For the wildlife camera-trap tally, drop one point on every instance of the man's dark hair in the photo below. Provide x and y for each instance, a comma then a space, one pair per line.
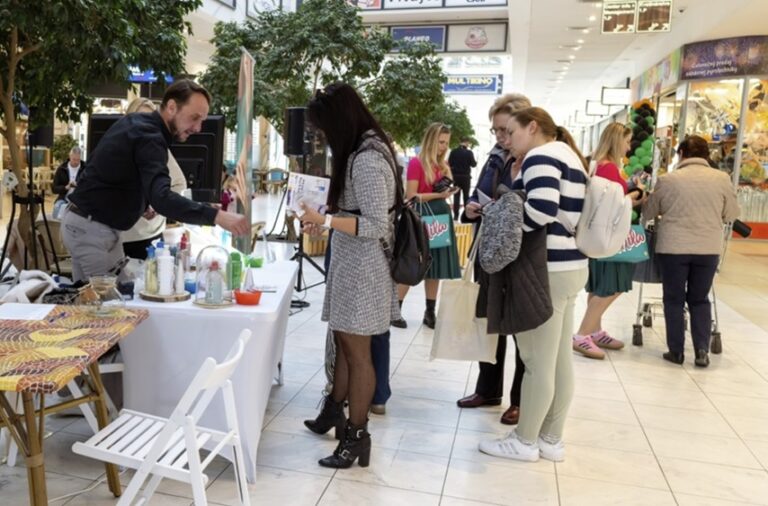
466, 139
181, 91
694, 147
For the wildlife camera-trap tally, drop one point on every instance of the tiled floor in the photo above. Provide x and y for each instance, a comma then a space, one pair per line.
641, 431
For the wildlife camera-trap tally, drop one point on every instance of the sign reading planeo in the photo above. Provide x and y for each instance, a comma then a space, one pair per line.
435, 35
473, 84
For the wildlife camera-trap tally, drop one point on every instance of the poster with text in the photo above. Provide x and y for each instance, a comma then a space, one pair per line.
737, 56
619, 16
654, 16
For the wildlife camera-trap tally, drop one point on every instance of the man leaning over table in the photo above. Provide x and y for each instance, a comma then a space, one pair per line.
127, 178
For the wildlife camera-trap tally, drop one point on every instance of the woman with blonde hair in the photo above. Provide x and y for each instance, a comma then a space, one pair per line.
423, 173
607, 280
151, 225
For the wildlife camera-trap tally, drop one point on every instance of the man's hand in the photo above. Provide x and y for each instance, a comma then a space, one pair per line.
472, 210
235, 223
149, 213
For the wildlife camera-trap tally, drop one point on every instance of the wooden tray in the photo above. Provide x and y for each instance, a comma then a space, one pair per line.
165, 298
202, 303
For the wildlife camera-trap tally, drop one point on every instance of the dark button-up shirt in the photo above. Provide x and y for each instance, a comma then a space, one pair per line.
461, 161
129, 171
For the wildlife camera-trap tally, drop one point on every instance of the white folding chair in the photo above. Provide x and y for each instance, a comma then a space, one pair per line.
170, 447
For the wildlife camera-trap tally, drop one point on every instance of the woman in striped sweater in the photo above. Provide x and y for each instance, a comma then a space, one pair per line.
554, 179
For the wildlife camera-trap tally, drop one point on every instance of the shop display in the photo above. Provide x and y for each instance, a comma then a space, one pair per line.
713, 114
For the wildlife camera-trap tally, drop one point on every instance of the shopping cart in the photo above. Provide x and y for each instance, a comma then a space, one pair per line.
648, 272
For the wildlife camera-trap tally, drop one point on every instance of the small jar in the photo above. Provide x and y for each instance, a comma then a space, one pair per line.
107, 300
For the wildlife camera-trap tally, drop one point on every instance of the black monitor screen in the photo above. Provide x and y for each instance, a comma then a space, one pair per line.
98, 124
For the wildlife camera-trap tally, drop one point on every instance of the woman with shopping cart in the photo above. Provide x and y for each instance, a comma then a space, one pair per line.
690, 205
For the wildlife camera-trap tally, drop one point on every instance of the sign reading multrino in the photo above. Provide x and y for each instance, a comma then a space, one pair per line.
473, 84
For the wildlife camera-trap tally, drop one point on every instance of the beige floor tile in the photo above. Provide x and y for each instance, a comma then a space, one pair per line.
453, 501
598, 389
499, 485
15, 490
668, 397
735, 405
603, 410
697, 500
662, 375
400, 469
366, 494
485, 419
272, 487
438, 369
612, 436
760, 450
717, 481
431, 412
712, 449
686, 420
576, 491
614, 466
411, 437
294, 453
748, 427
422, 388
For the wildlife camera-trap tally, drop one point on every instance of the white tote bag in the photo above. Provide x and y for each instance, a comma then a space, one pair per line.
459, 335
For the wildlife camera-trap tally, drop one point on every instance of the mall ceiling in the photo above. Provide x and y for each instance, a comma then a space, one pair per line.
559, 57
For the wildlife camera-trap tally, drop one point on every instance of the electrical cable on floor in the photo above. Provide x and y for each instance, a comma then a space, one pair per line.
83, 491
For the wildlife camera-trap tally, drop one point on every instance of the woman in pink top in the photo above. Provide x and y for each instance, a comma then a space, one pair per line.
421, 184
607, 280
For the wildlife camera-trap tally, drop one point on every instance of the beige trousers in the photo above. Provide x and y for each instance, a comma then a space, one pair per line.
546, 351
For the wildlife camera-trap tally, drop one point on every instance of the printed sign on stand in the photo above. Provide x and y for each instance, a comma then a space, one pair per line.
473, 84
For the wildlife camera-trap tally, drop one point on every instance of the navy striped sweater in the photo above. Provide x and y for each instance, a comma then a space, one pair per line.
554, 182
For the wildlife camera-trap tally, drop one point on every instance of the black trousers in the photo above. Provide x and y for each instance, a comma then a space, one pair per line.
687, 279
490, 381
463, 183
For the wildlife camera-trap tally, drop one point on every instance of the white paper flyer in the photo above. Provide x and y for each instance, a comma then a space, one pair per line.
311, 190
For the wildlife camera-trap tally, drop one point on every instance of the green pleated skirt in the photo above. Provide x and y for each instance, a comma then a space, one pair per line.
609, 278
445, 261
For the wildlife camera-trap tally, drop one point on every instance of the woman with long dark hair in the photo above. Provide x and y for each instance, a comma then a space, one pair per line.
360, 298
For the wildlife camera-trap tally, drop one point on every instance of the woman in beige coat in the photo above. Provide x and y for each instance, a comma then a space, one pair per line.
691, 204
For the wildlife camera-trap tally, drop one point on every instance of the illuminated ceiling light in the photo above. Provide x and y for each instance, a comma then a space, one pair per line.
580, 41
586, 30
571, 56
593, 18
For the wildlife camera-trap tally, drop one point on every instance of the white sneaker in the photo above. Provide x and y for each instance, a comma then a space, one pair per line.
510, 447
552, 451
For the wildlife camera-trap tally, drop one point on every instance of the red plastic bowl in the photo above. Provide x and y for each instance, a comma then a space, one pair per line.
247, 298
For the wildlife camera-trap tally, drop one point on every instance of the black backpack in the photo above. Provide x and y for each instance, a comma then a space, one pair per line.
409, 256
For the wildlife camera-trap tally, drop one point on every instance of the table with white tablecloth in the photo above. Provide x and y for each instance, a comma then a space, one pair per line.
164, 353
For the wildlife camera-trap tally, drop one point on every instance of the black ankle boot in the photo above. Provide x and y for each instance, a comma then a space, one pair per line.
675, 358
332, 415
356, 443
429, 318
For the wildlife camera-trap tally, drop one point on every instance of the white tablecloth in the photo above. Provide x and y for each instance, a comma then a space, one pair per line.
163, 354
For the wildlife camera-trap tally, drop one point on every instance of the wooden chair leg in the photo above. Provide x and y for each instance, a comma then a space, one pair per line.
113, 477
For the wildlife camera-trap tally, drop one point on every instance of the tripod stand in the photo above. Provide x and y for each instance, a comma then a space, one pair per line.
31, 203
300, 256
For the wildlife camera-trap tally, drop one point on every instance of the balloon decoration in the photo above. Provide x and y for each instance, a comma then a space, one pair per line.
641, 120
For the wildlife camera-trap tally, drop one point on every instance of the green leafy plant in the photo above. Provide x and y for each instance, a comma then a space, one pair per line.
62, 145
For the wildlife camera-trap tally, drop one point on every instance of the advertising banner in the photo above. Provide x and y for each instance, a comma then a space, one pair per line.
619, 16
473, 84
654, 16
413, 4
661, 76
477, 37
737, 56
243, 182
434, 34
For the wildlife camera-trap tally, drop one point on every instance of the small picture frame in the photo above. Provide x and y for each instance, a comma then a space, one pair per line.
229, 3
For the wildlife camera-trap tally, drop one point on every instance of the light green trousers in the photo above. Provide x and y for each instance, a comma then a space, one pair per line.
546, 352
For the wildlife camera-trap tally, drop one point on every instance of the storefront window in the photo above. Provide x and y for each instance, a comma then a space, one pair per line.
667, 129
713, 113
753, 189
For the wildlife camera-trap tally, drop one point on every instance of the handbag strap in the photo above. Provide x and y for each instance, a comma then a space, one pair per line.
470, 269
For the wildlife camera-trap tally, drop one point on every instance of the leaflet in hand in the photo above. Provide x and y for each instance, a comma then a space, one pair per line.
311, 190
483, 198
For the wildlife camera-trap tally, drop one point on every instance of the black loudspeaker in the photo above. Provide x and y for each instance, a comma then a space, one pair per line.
42, 135
296, 141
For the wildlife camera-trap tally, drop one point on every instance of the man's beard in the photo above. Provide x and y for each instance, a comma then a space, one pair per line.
175, 131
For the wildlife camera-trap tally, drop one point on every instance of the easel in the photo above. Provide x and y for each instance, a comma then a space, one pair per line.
31, 203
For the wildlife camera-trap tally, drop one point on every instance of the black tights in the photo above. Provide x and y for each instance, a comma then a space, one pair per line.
354, 378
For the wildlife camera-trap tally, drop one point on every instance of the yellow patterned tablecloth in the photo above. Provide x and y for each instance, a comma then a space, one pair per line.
42, 356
